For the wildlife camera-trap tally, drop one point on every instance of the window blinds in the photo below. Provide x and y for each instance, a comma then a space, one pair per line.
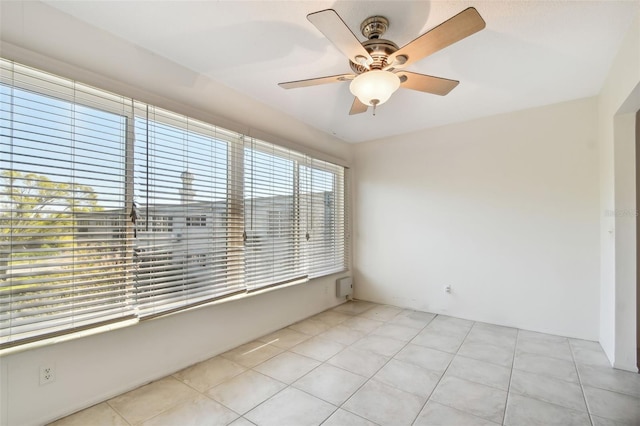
273, 249
112, 209
187, 251
61, 163
323, 191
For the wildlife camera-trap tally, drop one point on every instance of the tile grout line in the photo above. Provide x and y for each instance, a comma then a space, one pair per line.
117, 412
513, 362
555, 378
165, 408
242, 414
472, 381
315, 396
584, 396
400, 350
204, 392
367, 379
444, 372
341, 406
289, 385
381, 367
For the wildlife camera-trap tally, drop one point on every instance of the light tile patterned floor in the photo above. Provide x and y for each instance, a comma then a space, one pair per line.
367, 364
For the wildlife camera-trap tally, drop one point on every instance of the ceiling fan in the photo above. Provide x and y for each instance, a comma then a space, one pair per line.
378, 64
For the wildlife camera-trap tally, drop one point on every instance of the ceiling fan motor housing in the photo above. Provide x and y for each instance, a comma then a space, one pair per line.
380, 50
374, 26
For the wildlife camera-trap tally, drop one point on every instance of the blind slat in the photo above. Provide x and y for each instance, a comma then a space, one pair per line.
112, 209
64, 159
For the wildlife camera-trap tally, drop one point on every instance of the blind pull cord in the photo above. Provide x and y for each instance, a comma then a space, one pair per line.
134, 216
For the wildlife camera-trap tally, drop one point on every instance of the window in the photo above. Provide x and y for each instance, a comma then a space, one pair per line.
181, 170
322, 185
62, 174
111, 209
279, 222
270, 176
197, 220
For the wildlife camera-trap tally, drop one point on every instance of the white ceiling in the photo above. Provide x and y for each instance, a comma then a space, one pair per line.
531, 53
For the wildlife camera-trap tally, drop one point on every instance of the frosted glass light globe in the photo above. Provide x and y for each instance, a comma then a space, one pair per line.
374, 87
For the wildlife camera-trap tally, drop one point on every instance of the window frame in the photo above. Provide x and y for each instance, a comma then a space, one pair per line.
45, 84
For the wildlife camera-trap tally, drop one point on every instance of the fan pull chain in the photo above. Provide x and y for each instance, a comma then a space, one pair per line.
375, 103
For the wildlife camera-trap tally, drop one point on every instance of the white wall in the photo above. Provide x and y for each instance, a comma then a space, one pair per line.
504, 209
625, 242
637, 137
617, 103
94, 368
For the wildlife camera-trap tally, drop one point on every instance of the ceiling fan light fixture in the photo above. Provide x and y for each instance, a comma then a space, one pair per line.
374, 87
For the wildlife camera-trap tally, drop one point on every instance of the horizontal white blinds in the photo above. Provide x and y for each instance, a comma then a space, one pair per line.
295, 216
273, 243
112, 209
61, 162
188, 246
322, 189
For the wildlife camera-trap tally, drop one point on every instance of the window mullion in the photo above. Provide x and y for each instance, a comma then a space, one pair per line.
235, 211
129, 189
297, 235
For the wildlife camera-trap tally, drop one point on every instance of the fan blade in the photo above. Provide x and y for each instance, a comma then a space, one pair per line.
357, 107
316, 81
426, 83
333, 27
453, 30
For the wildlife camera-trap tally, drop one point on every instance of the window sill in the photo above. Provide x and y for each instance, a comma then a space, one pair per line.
67, 337
127, 323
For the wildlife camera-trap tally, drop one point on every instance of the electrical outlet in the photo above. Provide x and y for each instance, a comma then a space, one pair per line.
447, 289
47, 374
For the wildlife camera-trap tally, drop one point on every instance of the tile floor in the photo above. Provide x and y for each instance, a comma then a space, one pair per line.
367, 364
